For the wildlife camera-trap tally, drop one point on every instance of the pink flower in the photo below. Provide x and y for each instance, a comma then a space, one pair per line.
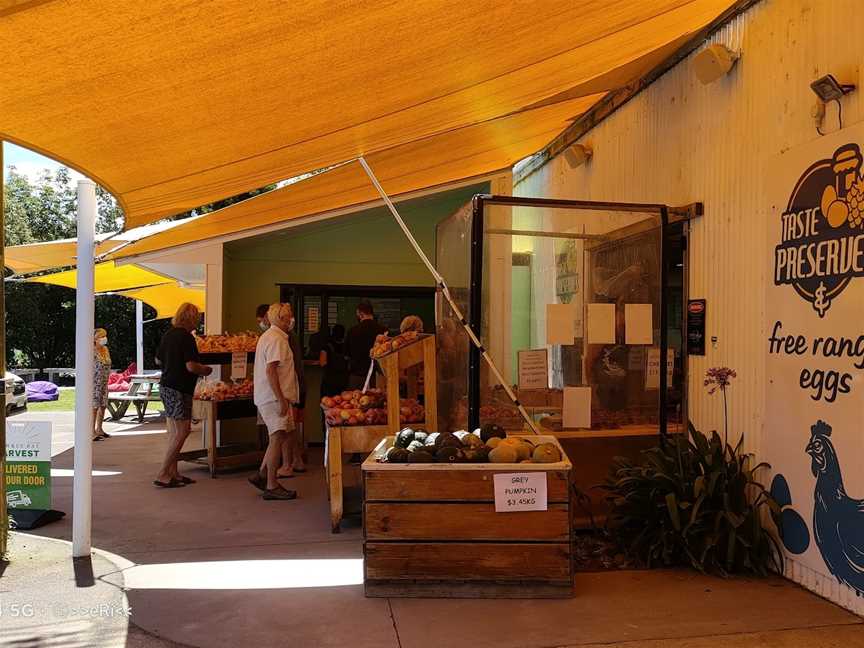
719, 378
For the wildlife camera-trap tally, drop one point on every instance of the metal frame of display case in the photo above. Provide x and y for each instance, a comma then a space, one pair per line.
667, 216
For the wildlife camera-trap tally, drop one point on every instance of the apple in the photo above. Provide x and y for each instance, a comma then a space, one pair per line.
345, 414
327, 402
352, 420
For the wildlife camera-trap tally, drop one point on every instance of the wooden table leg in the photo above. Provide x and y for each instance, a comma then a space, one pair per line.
210, 423
334, 476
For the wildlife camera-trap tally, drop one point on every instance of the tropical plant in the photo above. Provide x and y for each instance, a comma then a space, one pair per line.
694, 500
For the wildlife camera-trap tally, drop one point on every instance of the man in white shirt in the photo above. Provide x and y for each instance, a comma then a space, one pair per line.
276, 391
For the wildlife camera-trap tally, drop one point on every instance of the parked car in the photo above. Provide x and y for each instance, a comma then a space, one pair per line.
16, 393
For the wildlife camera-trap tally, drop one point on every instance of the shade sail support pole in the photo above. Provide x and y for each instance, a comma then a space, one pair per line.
445, 290
139, 335
82, 496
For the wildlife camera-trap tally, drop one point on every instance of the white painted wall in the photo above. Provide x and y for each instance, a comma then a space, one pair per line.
680, 142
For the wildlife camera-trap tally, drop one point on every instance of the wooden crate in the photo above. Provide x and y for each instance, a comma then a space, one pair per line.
431, 530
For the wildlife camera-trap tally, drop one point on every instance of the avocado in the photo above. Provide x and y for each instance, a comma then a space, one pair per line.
449, 454
490, 430
397, 455
421, 456
404, 438
447, 439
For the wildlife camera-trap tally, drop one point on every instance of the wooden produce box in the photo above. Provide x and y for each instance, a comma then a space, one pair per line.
431, 530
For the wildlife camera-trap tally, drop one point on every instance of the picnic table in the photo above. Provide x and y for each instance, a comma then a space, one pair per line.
143, 389
27, 375
59, 371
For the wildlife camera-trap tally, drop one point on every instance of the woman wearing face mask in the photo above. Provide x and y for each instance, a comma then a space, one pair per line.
101, 370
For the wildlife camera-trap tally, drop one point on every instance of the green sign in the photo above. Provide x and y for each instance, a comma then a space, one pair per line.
28, 465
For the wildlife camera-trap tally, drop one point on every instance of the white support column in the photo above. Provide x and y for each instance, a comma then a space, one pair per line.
139, 335
84, 303
213, 324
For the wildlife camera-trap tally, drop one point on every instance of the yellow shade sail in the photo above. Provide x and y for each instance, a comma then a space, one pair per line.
36, 257
109, 277
165, 299
173, 105
469, 152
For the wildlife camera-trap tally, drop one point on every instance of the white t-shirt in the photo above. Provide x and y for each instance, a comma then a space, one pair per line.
273, 346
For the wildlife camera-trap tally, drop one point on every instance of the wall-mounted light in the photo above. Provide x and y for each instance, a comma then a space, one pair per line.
577, 154
828, 88
713, 63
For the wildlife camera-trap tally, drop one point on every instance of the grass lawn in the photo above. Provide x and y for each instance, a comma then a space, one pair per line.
66, 403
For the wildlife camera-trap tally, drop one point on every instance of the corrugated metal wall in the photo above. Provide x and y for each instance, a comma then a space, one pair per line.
680, 142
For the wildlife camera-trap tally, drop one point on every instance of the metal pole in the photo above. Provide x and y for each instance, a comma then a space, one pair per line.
139, 335
84, 302
4, 524
445, 291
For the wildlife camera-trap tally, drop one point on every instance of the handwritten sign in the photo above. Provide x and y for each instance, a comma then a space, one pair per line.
520, 492
534, 369
239, 366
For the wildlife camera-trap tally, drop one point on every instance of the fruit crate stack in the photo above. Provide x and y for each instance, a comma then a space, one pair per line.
431, 528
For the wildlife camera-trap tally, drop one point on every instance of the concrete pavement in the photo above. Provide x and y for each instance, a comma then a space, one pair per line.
214, 565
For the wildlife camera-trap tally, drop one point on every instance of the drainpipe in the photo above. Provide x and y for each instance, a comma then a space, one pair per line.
84, 303
139, 335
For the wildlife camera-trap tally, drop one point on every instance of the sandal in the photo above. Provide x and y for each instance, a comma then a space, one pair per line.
171, 484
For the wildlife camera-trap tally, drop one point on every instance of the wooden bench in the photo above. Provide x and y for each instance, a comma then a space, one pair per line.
141, 392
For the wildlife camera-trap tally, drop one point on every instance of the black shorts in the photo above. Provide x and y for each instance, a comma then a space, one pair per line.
178, 406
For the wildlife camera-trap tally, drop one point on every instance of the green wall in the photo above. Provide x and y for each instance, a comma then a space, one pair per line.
361, 249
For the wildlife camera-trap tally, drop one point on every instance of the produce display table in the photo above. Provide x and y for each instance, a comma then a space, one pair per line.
221, 457
431, 530
346, 440
342, 440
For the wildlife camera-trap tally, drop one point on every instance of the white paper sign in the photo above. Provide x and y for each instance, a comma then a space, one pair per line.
652, 371
601, 323
520, 492
239, 365
638, 324
577, 407
560, 324
534, 369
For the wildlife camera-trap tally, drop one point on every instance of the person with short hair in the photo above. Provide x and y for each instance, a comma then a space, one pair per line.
101, 371
411, 323
276, 391
359, 342
297, 463
178, 357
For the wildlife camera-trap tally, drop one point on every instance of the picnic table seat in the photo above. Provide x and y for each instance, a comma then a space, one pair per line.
143, 389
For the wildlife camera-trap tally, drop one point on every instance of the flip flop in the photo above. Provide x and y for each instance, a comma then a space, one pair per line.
281, 476
185, 480
170, 484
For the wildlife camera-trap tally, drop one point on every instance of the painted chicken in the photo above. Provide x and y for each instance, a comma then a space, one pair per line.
838, 520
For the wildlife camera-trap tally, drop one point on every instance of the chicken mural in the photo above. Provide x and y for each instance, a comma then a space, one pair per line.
838, 520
